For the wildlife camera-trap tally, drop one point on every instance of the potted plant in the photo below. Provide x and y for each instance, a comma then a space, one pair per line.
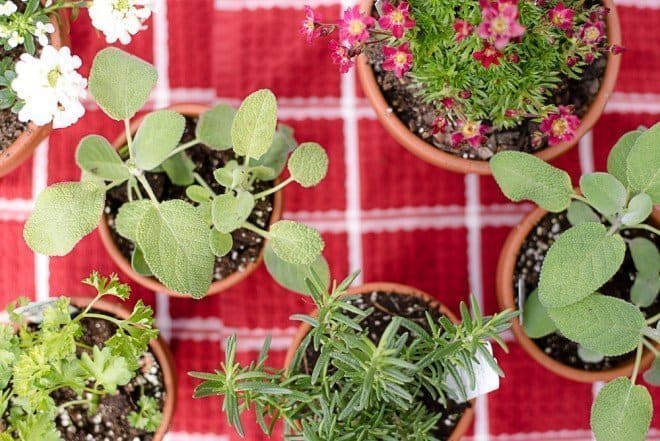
40, 87
190, 201
381, 362
458, 81
586, 273
84, 368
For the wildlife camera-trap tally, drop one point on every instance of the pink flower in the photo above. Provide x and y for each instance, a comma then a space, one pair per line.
354, 26
592, 32
488, 56
562, 17
398, 59
440, 124
500, 23
309, 26
471, 132
616, 49
396, 18
341, 56
448, 102
463, 30
560, 126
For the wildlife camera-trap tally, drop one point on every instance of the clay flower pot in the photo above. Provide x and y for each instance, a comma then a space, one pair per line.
24, 145
160, 350
467, 417
439, 158
506, 299
189, 110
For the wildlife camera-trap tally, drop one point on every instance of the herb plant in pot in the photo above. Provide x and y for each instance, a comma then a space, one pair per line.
190, 198
40, 87
84, 368
586, 275
457, 81
381, 362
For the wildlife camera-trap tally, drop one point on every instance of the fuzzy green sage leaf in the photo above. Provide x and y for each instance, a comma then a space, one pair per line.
643, 169
621, 411
139, 264
645, 256
308, 164
121, 83
296, 243
652, 376
95, 155
229, 212
276, 156
63, 214
645, 290
578, 263
129, 216
535, 319
158, 135
580, 213
639, 209
524, 176
179, 169
221, 243
254, 125
214, 127
601, 323
617, 161
293, 276
604, 192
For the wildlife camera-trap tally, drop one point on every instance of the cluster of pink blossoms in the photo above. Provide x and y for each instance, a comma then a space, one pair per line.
357, 29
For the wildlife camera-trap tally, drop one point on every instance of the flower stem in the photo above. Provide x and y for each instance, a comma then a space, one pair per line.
183, 147
581, 199
106, 318
129, 138
638, 362
73, 403
643, 227
650, 347
653, 319
203, 183
254, 228
274, 189
147, 188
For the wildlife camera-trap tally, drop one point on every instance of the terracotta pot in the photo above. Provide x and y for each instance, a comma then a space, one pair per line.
24, 145
506, 300
466, 420
190, 110
160, 350
442, 159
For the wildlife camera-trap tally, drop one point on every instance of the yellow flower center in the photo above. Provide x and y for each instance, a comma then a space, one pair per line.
53, 76
559, 127
500, 25
123, 5
356, 27
470, 129
401, 58
397, 17
592, 33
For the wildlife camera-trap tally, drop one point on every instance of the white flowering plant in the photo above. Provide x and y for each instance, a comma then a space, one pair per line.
177, 241
43, 85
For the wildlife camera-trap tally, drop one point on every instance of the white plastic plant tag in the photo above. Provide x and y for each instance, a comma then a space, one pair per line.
486, 379
34, 311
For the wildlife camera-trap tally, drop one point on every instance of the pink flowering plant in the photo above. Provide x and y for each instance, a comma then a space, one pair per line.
484, 65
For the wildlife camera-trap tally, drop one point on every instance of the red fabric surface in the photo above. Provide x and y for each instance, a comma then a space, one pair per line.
380, 208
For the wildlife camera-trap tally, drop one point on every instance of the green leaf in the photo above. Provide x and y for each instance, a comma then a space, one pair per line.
129, 216
108, 370
159, 134
221, 243
639, 209
617, 162
121, 83
275, 157
254, 125
535, 319
643, 169
174, 240
578, 263
652, 376
230, 212
296, 243
139, 264
292, 276
199, 194
179, 169
589, 356
524, 176
214, 127
604, 192
308, 164
580, 213
601, 323
63, 214
95, 155
621, 411
645, 255
645, 290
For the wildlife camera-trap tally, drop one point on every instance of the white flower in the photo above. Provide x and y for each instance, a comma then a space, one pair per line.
15, 39
42, 31
120, 19
50, 88
7, 8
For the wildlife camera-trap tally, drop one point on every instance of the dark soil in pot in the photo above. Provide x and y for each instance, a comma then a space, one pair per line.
418, 116
247, 244
387, 305
10, 127
528, 267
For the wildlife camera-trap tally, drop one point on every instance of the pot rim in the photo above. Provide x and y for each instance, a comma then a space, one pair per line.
465, 421
191, 110
505, 298
23, 146
439, 158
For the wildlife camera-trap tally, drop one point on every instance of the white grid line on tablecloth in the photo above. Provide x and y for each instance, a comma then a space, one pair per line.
39, 182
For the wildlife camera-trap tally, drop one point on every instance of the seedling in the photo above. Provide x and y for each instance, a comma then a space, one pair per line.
42, 357
588, 255
178, 241
357, 388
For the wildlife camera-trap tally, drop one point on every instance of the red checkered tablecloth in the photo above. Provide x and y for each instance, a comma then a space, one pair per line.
380, 208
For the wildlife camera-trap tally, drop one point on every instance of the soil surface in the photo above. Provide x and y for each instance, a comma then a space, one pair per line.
418, 116
387, 305
528, 268
247, 244
10, 127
